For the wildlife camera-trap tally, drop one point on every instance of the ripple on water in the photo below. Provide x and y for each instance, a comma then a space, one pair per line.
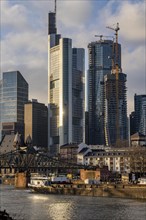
30, 206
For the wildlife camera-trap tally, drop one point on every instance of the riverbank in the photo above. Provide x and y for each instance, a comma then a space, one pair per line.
24, 205
118, 191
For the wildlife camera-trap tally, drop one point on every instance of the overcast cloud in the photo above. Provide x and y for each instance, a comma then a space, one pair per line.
24, 37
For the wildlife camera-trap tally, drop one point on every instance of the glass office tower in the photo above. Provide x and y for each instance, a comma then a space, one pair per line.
0, 109
140, 113
100, 63
78, 95
65, 90
14, 94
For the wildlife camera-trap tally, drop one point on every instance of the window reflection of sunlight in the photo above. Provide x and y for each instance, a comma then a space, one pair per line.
61, 211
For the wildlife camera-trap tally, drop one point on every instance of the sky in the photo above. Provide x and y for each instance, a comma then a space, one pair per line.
24, 37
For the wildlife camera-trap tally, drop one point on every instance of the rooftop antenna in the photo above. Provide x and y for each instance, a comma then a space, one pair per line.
55, 6
55, 12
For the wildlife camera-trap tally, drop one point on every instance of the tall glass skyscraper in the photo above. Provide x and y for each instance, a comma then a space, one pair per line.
78, 95
100, 55
140, 113
0, 109
65, 89
14, 94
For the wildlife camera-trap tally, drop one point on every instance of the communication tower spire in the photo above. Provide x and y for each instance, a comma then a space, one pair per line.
55, 9
52, 20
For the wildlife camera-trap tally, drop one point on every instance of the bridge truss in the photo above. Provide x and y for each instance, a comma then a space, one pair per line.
22, 160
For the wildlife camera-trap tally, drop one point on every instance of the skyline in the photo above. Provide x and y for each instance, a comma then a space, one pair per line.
24, 37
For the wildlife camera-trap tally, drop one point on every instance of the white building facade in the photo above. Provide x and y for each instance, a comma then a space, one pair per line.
116, 160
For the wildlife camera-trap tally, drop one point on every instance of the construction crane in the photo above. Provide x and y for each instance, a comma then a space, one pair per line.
115, 70
116, 29
101, 36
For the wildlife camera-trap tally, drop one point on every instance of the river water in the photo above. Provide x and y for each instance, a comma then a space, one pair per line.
24, 205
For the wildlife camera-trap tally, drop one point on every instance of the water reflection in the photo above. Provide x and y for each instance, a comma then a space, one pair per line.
38, 198
22, 204
61, 211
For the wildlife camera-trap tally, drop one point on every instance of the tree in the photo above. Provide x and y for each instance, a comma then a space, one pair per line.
138, 159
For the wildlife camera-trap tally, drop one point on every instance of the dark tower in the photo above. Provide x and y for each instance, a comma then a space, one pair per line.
52, 22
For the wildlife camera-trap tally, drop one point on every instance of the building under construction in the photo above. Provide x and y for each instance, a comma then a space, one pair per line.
100, 64
107, 103
115, 109
115, 106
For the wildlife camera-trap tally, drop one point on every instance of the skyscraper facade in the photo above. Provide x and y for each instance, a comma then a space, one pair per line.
36, 123
14, 94
132, 123
78, 95
100, 55
0, 109
65, 89
140, 113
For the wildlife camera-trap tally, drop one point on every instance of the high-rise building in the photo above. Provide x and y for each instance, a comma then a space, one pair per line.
78, 95
0, 109
115, 109
36, 123
140, 113
100, 63
86, 127
14, 94
65, 89
132, 123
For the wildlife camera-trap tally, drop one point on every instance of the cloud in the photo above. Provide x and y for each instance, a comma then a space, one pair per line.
24, 37
131, 16
14, 16
74, 14
27, 52
24, 47
134, 66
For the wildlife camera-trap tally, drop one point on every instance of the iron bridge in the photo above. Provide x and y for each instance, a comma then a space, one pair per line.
22, 160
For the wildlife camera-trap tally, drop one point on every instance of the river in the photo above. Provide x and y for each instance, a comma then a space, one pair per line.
24, 205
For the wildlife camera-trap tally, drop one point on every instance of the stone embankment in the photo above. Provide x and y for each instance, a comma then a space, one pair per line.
121, 191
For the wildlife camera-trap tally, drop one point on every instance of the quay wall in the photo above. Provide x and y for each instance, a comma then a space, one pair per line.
8, 180
121, 191
20, 180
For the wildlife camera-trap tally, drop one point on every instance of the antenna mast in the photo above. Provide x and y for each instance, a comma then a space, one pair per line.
55, 6
55, 11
